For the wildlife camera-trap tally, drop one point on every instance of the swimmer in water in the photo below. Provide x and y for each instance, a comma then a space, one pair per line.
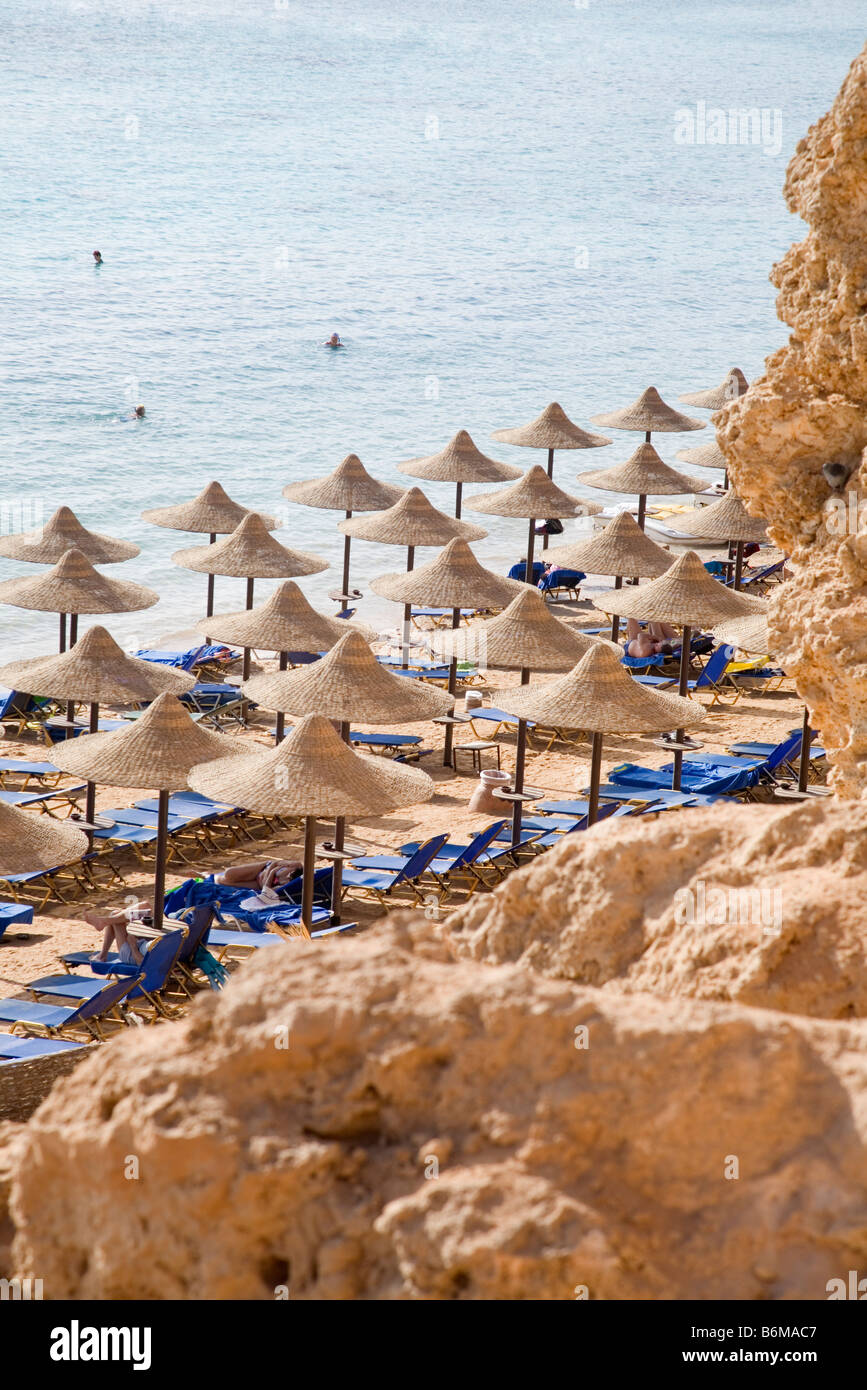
333, 341
97, 256
137, 414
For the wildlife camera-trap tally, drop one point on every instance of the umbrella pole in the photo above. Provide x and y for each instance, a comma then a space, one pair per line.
339, 842
528, 572
62, 646
281, 718
407, 609
459, 490
90, 796
453, 680
642, 509
615, 621
347, 546
210, 612
682, 689
73, 638
162, 854
804, 764
739, 564
520, 758
595, 778
550, 475
309, 869
245, 665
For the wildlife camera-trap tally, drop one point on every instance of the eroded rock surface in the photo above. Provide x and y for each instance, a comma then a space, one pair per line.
809, 410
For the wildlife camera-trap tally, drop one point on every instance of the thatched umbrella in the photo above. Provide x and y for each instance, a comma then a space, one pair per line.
212, 513
312, 773
551, 430
349, 488
29, 842
95, 671
460, 462
533, 496
156, 751
348, 684
456, 580
525, 637
726, 520
734, 384
250, 553
413, 521
687, 596
599, 695
645, 475
622, 548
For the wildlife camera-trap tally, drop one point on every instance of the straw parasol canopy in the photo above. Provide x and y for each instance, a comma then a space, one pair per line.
733, 385
644, 473
285, 622
460, 462
748, 634
249, 553
685, 595
212, 512
525, 636
74, 586
599, 695
725, 520
622, 548
156, 750
349, 684
533, 496
29, 841
708, 455
412, 521
313, 773
63, 531
454, 579
650, 414
551, 430
349, 488
97, 671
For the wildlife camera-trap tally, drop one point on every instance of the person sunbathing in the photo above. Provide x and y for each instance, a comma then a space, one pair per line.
655, 638
264, 873
116, 933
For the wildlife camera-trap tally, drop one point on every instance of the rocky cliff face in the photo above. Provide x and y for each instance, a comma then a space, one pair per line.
808, 411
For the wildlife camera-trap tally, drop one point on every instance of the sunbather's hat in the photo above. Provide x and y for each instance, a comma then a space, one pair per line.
29, 842
211, 513
249, 553
156, 751
534, 495
349, 488
285, 622
74, 586
644, 473
734, 385
454, 579
526, 635
460, 462
313, 773
551, 430
725, 520
708, 455
412, 521
685, 594
748, 634
98, 671
63, 531
648, 412
622, 548
600, 695
349, 685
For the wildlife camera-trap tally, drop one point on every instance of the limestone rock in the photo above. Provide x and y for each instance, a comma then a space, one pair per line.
762, 905
582, 1140
810, 409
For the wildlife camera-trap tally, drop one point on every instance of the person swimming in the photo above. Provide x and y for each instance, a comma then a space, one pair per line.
334, 341
139, 412
97, 256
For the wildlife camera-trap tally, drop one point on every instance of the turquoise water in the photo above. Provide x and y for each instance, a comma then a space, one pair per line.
486, 201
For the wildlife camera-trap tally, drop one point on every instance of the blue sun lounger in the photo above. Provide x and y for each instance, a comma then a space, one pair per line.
30, 772
53, 1019
381, 884
491, 715
15, 914
25, 1049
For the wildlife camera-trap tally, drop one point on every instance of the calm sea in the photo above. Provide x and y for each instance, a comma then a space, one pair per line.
487, 201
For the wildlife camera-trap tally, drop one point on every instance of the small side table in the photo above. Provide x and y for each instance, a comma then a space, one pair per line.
476, 751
